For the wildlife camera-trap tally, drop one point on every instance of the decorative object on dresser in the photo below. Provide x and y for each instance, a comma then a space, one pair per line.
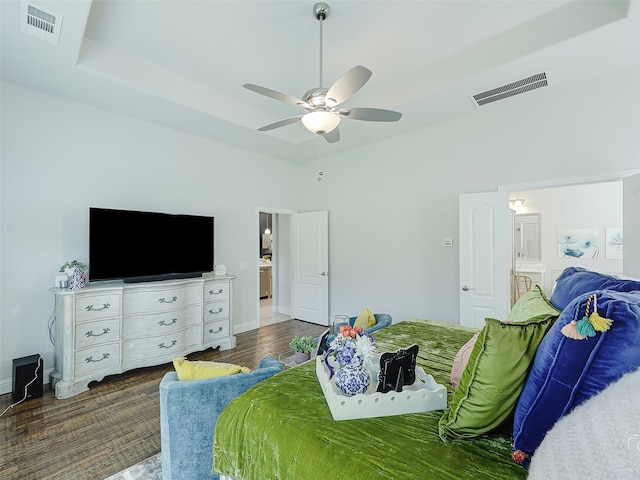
117, 327
76, 275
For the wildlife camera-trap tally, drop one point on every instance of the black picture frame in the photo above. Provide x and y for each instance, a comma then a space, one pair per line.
397, 369
323, 345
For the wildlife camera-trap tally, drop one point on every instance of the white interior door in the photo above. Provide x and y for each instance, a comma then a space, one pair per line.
310, 248
484, 257
631, 226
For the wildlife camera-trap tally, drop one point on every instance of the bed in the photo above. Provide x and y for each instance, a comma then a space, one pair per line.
283, 429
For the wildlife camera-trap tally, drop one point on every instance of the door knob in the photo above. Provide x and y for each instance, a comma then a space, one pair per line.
324, 274
466, 289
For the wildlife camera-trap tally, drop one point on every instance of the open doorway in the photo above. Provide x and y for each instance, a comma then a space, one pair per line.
299, 264
270, 266
594, 210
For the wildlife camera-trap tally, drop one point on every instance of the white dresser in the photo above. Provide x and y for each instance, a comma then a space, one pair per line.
115, 327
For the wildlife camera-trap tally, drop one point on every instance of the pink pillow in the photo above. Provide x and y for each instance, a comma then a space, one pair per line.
461, 360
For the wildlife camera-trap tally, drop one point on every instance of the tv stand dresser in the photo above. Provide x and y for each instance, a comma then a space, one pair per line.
113, 327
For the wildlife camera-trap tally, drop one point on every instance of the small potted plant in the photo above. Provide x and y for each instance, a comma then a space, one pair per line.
302, 346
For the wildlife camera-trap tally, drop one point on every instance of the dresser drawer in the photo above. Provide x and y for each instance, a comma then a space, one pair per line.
174, 344
214, 291
161, 300
96, 333
99, 357
213, 330
93, 307
216, 311
161, 323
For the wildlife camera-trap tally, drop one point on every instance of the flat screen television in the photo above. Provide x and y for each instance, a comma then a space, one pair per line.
146, 246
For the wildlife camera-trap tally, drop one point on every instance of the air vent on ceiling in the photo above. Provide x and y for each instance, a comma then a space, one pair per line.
38, 22
515, 88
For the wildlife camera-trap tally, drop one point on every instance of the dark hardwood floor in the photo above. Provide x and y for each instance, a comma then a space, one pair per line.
116, 423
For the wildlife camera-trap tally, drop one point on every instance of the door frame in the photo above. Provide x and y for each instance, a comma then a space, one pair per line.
571, 181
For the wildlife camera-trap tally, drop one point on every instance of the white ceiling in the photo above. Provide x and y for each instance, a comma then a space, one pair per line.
182, 64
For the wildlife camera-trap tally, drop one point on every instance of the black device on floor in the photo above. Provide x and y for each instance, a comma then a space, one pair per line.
27, 372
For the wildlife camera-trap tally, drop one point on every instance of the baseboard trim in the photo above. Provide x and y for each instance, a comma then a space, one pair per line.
6, 384
243, 327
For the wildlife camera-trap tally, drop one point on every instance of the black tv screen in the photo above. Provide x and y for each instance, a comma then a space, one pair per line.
144, 246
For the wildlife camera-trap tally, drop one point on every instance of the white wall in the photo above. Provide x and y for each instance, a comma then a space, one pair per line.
390, 204
59, 158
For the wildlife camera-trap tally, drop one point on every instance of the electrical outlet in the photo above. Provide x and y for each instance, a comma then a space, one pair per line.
448, 242
243, 265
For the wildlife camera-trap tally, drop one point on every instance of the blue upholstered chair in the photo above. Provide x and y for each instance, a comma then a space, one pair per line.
382, 320
188, 414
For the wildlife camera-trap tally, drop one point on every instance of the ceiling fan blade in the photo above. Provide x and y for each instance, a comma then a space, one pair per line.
333, 136
370, 114
283, 97
347, 85
280, 123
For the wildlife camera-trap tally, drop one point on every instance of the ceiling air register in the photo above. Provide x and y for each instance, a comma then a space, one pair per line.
516, 88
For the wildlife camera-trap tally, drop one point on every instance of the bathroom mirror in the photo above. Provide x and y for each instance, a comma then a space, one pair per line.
527, 237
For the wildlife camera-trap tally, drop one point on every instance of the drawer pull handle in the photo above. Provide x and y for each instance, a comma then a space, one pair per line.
91, 334
162, 345
220, 310
90, 359
213, 292
105, 306
162, 323
173, 299
219, 330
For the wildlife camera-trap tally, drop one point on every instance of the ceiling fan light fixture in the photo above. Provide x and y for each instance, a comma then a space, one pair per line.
320, 122
321, 104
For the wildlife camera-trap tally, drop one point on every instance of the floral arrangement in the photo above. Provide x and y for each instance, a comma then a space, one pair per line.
353, 346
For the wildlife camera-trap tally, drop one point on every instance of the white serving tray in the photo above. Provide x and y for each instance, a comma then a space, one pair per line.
423, 396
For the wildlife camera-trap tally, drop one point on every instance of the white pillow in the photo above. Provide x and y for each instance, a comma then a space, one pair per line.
598, 439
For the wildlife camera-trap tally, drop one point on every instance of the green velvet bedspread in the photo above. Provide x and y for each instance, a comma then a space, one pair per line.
282, 428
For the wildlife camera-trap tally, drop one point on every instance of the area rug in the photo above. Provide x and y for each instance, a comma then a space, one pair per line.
149, 469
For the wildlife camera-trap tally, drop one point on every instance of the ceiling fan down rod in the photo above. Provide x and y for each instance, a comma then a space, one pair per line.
320, 11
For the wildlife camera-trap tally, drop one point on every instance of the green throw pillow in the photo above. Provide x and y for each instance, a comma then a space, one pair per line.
494, 377
532, 304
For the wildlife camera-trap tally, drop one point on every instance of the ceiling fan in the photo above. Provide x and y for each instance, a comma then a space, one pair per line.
322, 105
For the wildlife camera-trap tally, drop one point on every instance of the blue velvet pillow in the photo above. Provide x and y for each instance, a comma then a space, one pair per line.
576, 281
566, 372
